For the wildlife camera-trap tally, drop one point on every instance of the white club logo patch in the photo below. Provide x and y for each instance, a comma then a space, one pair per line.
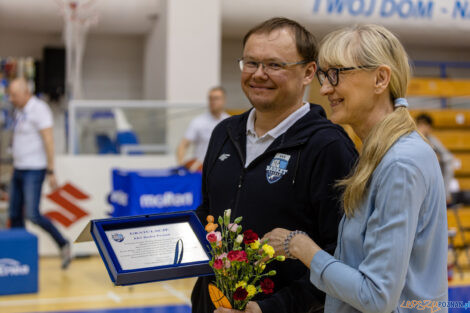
277, 168
224, 157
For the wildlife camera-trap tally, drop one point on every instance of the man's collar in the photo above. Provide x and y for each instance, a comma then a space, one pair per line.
280, 128
250, 127
27, 106
250, 124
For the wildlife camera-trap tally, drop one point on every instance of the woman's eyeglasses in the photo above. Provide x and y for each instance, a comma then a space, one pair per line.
333, 73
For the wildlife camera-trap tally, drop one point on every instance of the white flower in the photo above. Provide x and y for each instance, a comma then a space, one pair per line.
228, 212
239, 239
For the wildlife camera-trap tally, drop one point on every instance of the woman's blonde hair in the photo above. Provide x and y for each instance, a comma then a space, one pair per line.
371, 46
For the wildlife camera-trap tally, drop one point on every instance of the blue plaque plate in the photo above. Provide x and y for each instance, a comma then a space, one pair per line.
148, 248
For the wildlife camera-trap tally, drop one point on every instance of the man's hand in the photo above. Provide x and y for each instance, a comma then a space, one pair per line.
276, 239
48, 139
251, 307
52, 182
181, 150
194, 166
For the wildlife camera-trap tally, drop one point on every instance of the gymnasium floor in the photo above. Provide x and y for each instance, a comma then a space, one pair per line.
86, 288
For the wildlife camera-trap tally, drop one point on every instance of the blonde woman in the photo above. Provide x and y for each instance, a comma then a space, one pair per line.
392, 240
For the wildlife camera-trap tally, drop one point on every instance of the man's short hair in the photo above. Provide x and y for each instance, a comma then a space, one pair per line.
220, 88
425, 119
305, 42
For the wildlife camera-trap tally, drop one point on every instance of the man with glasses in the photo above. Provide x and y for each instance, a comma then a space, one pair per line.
277, 164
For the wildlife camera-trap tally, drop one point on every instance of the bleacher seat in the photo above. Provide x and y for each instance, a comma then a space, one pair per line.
127, 138
105, 145
454, 140
446, 118
464, 183
463, 213
463, 164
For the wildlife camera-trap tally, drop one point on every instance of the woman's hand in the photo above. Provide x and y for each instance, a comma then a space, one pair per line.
251, 307
300, 246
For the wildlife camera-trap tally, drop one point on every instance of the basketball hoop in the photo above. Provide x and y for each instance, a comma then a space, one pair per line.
79, 16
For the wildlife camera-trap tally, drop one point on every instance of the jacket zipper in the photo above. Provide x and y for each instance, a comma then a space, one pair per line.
296, 166
242, 176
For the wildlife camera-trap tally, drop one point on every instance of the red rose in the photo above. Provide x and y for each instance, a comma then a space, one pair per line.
218, 264
232, 255
240, 294
249, 236
267, 285
211, 237
242, 256
239, 256
214, 237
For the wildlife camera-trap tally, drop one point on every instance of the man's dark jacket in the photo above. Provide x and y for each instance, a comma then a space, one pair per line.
269, 194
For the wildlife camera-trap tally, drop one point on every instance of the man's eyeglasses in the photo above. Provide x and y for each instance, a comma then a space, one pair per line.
333, 73
250, 66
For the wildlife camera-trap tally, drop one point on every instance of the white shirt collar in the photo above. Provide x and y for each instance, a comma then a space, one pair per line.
28, 105
282, 127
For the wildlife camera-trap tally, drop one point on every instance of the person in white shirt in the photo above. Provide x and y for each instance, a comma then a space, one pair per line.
33, 161
424, 122
200, 130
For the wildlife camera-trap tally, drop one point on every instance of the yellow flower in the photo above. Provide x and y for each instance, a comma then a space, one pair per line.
263, 266
251, 290
254, 245
240, 284
269, 250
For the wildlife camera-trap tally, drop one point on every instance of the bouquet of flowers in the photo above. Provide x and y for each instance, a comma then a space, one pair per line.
238, 260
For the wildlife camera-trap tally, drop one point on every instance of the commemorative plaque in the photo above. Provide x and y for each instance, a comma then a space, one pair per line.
140, 249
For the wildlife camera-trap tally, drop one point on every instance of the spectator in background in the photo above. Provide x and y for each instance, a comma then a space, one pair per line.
33, 161
424, 123
200, 130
